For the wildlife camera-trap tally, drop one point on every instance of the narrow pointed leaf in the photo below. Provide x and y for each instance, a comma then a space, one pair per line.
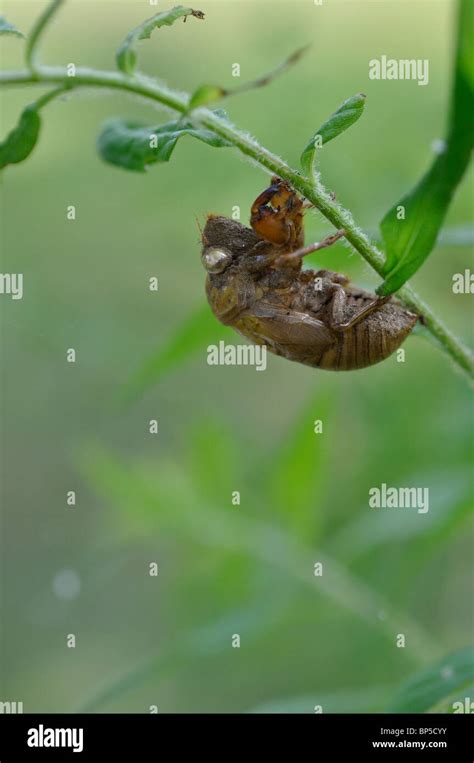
410, 229
196, 332
126, 56
345, 116
430, 687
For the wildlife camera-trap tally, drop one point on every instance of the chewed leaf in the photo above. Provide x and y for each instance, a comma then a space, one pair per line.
411, 227
126, 56
7, 28
439, 682
21, 141
133, 146
345, 116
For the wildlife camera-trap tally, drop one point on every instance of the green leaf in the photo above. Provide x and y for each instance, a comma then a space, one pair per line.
205, 94
450, 507
297, 469
133, 146
345, 116
126, 56
7, 28
430, 687
194, 334
22, 139
410, 229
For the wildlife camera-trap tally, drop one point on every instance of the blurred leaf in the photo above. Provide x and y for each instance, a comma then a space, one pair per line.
295, 480
171, 500
7, 28
214, 462
132, 146
460, 695
206, 641
450, 505
409, 241
198, 331
126, 56
341, 701
429, 687
345, 116
207, 93
21, 141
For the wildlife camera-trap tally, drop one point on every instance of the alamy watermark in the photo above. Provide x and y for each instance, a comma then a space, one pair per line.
11, 708
400, 69
385, 497
463, 283
51, 737
464, 706
12, 283
223, 354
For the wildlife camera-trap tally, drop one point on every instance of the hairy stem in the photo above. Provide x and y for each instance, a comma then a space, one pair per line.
310, 189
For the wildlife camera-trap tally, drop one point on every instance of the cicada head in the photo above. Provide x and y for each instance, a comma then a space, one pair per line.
224, 241
277, 215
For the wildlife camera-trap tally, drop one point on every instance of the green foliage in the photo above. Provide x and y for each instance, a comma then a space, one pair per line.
451, 509
436, 685
126, 56
10, 29
298, 470
410, 233
191, 502
127, 144
21, 141
345, 116
223, 568
194, 334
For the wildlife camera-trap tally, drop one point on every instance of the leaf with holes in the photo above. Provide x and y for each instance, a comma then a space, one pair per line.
126, 56
132, 146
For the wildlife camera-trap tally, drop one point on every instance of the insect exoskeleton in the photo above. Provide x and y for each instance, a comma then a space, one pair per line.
257, 285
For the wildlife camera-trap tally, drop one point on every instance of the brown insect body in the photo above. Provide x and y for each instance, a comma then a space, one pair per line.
314, 317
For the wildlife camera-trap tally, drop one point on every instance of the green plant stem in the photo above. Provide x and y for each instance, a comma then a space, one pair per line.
51, 95
36, 32
310, 189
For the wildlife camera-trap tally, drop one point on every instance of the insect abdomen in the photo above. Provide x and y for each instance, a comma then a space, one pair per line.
368, 342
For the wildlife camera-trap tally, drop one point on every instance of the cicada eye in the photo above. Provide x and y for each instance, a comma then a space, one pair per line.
215, 260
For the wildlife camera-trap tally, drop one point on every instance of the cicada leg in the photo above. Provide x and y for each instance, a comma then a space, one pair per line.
337, 310
316, 246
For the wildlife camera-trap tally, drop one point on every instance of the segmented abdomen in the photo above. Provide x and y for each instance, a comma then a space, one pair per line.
368, 342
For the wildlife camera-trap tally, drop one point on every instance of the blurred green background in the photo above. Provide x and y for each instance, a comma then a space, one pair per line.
223, 569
